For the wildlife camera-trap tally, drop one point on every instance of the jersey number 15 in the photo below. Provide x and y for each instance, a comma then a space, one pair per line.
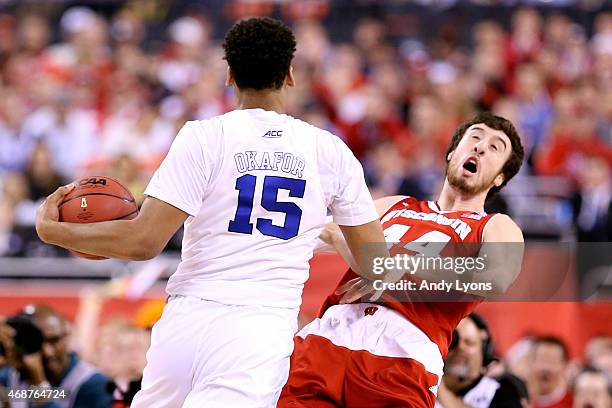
271, 184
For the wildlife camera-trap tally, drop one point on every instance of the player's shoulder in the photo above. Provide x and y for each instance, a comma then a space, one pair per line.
386, 204
319, 133
408, 202
501, 220
203, 125
331, 145
205, 130
501, 228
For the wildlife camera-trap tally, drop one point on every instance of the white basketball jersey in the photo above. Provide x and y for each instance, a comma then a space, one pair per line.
257, 186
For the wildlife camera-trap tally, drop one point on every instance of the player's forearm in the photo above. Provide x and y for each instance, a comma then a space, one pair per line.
366, 243
333, 237
121, 239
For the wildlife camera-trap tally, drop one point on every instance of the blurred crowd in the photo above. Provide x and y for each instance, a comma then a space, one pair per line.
86, 93
97, 364
537, 371
109, 355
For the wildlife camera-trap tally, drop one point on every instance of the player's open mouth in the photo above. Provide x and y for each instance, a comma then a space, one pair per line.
471, 165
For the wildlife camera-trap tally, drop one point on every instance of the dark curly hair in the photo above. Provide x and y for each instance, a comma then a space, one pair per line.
514, 162
259, 51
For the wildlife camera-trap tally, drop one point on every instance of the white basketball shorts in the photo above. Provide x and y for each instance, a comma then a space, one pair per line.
207, 354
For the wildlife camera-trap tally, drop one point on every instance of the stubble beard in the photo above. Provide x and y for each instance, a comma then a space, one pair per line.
461, 184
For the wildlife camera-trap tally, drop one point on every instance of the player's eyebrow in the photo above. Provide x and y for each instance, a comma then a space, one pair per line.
496, 136
503, 141
478, 128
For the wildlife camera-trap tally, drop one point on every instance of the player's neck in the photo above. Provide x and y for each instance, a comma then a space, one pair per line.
265, 99
450, 199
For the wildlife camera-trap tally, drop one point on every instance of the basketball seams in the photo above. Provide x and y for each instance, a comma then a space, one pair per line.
129, 193
114, 180
124, 200
121, 201
103, 194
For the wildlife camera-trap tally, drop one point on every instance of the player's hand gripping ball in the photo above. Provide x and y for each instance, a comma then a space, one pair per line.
95, 199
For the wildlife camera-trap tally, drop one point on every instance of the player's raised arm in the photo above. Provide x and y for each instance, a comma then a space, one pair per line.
359, 241
142, 238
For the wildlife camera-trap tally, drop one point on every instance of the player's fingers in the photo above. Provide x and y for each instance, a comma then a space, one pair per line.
355, 295
352, 286
60, 193
350, 295
393, 275
356, 292
390, 277
376, 295
347, 286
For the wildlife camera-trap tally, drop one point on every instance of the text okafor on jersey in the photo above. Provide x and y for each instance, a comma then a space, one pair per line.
453, 233
257, 186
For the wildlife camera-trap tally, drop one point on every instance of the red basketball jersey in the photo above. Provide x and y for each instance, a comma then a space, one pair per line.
422, 224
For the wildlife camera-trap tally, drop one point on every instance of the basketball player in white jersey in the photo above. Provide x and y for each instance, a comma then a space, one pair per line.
252, 187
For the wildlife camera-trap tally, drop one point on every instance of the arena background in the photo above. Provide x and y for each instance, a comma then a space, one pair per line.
101, 87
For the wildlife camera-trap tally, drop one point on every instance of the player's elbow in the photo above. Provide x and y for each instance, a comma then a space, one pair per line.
497, 289
501, 284
142, 255
144, 248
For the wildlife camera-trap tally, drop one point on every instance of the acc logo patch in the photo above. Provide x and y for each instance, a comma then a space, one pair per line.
273, 133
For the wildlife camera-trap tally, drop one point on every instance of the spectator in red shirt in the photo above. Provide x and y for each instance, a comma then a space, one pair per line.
548, 385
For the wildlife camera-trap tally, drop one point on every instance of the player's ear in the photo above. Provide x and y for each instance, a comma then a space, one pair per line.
448, 156
229, 78
499, 180
290, 77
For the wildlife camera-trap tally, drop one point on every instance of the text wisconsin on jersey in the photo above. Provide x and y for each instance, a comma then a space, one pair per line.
461, 227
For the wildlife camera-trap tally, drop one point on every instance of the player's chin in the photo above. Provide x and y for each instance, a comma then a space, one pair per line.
465, 184
473, 180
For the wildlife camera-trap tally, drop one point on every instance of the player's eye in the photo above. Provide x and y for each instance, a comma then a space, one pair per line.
475, 137
494, 147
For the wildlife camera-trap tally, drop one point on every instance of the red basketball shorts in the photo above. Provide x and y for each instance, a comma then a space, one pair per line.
362, 356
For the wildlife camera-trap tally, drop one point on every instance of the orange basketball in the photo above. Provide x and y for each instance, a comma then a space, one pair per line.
95, 199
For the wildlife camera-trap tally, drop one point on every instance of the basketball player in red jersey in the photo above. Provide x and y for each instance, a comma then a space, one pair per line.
390, 353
